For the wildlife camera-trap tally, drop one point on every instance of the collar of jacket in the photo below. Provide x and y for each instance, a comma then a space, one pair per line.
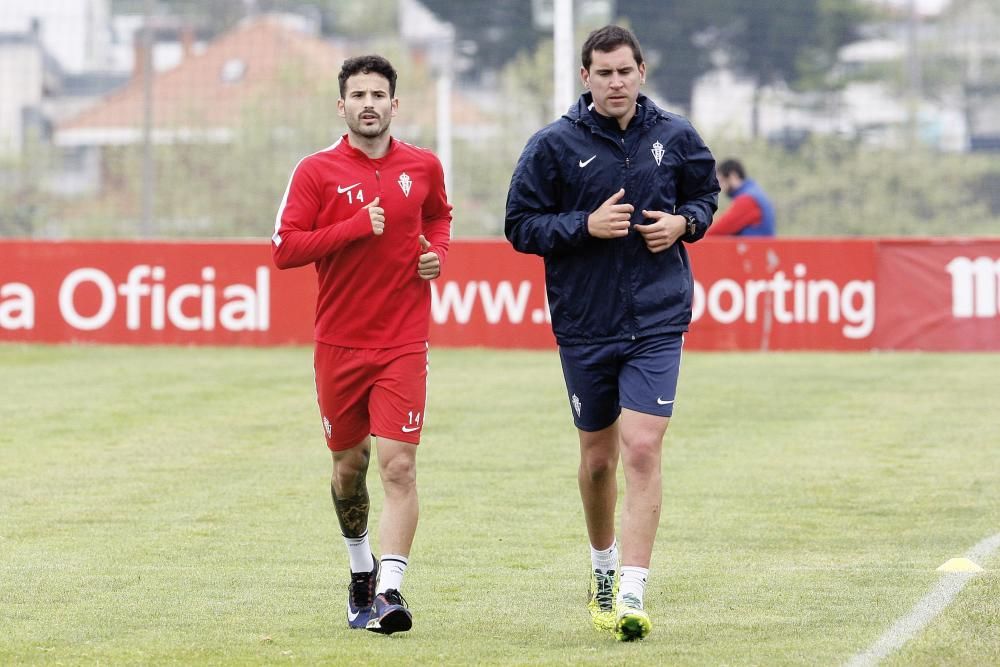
580, 112
345, 147
747, 185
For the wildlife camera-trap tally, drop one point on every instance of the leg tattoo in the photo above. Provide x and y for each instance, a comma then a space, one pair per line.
352, 509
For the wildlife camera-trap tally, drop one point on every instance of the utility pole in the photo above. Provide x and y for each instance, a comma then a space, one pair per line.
563, 57
445, 77
913, 71
146, 224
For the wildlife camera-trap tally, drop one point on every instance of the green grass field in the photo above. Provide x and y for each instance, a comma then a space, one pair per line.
171, 505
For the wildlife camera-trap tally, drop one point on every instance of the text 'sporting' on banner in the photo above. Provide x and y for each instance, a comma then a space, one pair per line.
764, 294
783, 295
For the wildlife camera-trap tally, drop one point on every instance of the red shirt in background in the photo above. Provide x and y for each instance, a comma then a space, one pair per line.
743, 212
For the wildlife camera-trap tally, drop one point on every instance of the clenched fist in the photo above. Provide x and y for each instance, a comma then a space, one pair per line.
663, 231
611, 219
429, 264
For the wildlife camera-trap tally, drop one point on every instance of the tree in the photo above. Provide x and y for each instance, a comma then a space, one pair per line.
768, 41
772, 41
500, 29
677, 41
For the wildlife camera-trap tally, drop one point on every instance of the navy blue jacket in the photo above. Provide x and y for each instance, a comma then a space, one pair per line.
602, 290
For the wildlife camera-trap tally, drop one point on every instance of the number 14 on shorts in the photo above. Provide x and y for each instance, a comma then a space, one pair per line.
414, 422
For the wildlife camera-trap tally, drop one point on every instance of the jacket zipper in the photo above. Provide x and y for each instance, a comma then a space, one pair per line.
628, 292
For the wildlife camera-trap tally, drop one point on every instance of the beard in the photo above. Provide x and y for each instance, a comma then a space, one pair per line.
367, 130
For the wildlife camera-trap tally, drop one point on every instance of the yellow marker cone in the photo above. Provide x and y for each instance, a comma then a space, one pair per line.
960, 565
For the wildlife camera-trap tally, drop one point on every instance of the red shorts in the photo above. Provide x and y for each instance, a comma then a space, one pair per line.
380, 392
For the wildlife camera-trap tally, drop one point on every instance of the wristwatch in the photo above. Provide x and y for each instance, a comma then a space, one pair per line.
692, 225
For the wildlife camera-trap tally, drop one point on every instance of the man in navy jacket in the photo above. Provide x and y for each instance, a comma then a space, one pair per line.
609, 195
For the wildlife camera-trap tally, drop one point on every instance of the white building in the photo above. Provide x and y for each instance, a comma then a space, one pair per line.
23, 74
76, 32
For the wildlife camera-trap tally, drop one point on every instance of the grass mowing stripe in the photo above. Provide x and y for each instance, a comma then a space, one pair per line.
926, 610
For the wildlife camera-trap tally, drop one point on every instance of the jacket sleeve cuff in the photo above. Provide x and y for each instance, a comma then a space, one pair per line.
584, 228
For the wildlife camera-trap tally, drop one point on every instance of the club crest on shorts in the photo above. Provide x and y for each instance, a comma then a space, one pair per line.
405, 183
575, 400
328, 427
658, 152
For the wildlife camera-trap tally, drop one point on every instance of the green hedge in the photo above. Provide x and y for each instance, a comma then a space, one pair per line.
835, 188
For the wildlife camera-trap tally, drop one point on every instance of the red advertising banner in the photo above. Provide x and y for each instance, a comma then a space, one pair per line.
491, 296
761, 294
939, 295
150, 293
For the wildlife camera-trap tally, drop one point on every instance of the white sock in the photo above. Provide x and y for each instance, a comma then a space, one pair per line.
390, 574
632, 582
359, 551
605, 560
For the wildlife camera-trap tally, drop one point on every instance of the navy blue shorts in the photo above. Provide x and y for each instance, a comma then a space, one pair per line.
602, 379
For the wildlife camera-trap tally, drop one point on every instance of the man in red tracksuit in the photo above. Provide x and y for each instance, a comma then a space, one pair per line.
371, 213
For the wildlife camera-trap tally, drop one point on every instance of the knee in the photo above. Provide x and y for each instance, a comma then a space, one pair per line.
599, 465
642, 454
346, 479
349, 471
399, 473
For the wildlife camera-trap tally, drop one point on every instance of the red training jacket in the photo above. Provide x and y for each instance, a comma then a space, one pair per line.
370, 295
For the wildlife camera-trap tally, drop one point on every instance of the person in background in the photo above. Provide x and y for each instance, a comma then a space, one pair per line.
751, 213
371, 214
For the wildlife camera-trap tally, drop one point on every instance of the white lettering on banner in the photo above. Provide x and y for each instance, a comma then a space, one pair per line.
789, 301
67, 294
17, 307
246, 307
453, 301
503, 300
975, 287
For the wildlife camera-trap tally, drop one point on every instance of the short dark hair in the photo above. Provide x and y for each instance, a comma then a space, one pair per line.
732, 166
371, 64
607, 39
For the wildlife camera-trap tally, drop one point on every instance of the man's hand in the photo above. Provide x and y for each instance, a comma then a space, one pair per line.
429, 265
663, 231
377, 216
610, 220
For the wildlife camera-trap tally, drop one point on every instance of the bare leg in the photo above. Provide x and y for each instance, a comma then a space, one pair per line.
398, 469
641, 449
349, 488
598, 483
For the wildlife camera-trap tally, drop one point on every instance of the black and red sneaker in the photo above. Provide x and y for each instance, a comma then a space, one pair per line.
389, 614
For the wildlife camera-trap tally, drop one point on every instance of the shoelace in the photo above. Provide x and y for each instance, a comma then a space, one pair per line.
362, 589
392, 596
605, 589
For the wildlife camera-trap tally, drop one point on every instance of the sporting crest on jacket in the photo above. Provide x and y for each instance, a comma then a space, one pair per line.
405, 183
657, 152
